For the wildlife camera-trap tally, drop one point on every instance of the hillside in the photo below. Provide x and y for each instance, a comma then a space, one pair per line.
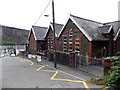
11, 35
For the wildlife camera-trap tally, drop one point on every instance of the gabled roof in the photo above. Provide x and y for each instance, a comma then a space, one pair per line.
105, 29
39, 32
58, 28
88, 27
116, 26
116, 36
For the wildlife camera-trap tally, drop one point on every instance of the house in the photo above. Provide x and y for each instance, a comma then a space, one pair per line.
116, 36
86, 37
50, 35
37, 43
20, 48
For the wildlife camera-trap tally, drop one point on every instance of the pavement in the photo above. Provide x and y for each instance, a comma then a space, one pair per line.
25, 73
92, 69
86, 72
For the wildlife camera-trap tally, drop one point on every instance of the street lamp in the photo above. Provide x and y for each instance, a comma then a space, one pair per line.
54, 43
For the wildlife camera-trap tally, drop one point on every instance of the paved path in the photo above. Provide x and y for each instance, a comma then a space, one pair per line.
24, 73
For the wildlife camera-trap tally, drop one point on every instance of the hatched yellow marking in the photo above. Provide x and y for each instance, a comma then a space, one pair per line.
55, 73
105, 88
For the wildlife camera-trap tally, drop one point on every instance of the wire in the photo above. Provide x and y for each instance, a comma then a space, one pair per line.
42, 12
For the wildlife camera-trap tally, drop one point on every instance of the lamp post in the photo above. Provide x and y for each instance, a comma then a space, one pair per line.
54, 43
53, 14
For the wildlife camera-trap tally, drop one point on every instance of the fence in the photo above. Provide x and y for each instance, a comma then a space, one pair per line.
85, 60
90, 65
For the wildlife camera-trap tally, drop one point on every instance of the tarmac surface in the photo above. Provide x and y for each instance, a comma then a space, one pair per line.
24, 73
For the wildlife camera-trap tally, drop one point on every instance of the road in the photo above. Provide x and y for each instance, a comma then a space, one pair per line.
23, 73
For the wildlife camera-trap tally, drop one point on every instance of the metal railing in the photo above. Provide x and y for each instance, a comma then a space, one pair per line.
86, 60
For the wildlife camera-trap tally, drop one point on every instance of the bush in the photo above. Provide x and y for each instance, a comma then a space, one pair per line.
97, 81
113, 78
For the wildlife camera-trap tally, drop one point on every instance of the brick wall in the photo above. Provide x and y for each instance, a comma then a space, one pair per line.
50, 39
73, 40
32, 44
97, 49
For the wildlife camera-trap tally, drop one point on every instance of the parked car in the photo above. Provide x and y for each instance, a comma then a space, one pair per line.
12, 55
2, 55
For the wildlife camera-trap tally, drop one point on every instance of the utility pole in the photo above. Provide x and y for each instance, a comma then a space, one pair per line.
53, 13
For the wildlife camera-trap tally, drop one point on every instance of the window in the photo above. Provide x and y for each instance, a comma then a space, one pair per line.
70, 34
77, 43
60, 39
70, 42
65, 43
65, 50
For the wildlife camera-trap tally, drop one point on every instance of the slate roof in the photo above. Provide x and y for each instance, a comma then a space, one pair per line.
116, 26
89, 28
116, 36
58, 28
105, 29
39, 32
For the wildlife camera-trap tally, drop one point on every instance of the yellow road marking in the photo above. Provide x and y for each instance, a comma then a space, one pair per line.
85, 84
105, 88
40, 68
66, 73
67, 80
55, 74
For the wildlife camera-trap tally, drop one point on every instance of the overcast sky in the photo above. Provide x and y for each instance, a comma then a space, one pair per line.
24, 13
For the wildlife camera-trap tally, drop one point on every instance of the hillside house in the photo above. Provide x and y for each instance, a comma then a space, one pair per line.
37, 43
50, 35
86, 37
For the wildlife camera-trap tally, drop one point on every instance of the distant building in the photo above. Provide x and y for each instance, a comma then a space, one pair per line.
13, 40
20, 48
50, 35
36, 42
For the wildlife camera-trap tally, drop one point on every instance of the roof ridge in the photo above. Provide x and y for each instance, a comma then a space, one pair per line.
112, 22
39, 26
105, 25
57, 23
86, 19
